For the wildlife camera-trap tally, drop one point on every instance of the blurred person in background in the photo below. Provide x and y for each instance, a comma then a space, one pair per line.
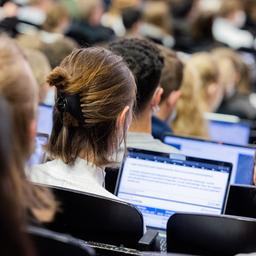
189, 120
227, 26
157, 23
211, 91
132, 20
86, 29
41, 68
238, 99
113, 17
13, 239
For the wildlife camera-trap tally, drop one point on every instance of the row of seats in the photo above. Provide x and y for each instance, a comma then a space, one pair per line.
195, 234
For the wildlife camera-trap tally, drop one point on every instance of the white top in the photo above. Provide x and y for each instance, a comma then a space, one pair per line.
227, 33
146, 141
82, 176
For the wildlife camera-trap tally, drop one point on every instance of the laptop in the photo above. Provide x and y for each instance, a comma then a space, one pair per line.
228, 129
44, 122
242, 157
160, 184
39, 155
241, 201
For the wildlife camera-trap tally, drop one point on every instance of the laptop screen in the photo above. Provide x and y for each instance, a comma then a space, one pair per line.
160, 184
39, 154
228, 132
242, 157
44, 122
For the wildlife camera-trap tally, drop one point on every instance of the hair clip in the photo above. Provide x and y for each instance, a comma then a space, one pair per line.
61, 103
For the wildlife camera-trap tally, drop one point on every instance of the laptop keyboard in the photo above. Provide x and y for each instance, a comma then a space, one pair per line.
161, 243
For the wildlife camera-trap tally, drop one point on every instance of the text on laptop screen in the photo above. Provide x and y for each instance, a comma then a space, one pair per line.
44, 123
159, 186
235, 133
241, 157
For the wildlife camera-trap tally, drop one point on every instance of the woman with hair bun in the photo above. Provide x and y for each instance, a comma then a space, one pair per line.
93, 110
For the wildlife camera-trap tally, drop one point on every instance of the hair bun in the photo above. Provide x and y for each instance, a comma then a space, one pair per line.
58, 78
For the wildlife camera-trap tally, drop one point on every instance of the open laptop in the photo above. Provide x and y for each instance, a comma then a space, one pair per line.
39, 155
242, 157
229, 129
44, 122
160, 184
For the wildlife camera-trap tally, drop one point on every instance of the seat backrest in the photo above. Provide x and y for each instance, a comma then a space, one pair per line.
51, 243
241, 201
200, 234
95, 218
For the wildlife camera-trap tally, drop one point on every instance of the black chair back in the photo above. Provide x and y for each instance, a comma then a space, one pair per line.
94, 218
51, 243
210, 234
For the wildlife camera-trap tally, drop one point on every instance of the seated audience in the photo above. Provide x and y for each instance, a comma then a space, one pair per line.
144, 60
18, 87
170, 81
93, 110
12, 236
189, 120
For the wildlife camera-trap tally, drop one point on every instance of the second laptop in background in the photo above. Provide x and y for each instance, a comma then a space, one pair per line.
242, 157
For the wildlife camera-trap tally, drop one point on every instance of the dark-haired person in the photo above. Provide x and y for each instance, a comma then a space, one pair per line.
144, 60
171, 79
95, 96
132, 18
13, 240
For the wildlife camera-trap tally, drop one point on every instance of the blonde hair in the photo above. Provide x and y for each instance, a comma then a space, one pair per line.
228, 58
157, 13
21, 93
190, 120
208, 72
41, 68
95, 86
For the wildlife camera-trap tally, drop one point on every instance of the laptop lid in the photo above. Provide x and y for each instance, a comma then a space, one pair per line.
160, 184
241, 201
44, 122
242, 157
39, 155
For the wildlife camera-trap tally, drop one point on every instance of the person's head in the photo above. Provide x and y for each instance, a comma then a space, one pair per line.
211, 90
57, 19
93, 109
144, 60
233, 10
157, 13
189, 119
230, 67
41, 68
18, 87
131, 19
58, 50
90, 11
171, 79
